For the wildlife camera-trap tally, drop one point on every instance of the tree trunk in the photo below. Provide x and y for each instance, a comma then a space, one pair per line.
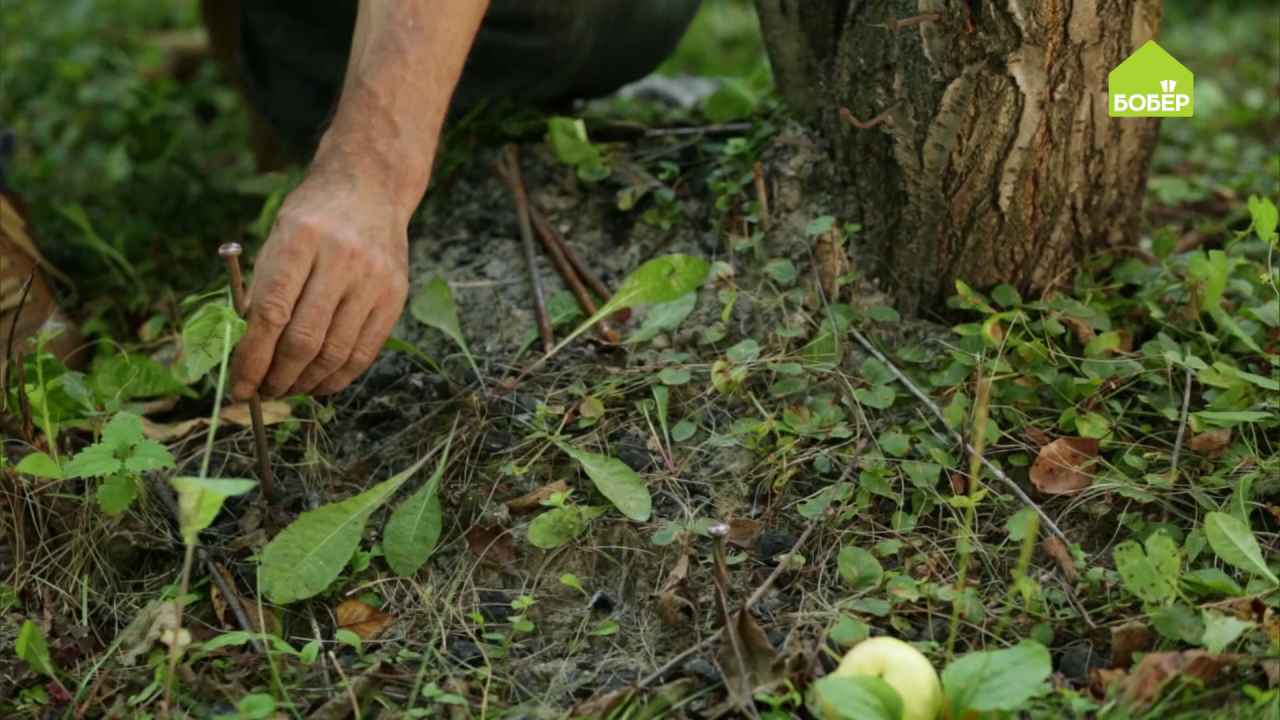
985, 152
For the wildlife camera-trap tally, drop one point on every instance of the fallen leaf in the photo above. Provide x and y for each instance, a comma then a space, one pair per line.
1155, 670
1037, 437
959, 483
1083, 332
1065, 465
168, 432
603, 705
361, 618
1061, 554
1212, 443
673, 606
749, 660
492, 544
744, 532
1128, 639
273, 412
832, 263
531, 501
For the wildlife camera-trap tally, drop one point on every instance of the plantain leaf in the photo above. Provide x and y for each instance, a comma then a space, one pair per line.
625, 489
308, 555
414, 528
1233, 541
32, 649
200, 499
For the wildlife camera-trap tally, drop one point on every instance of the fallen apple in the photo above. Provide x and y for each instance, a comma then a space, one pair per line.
905, 670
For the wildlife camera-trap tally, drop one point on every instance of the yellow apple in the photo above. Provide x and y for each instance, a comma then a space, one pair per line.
905, 670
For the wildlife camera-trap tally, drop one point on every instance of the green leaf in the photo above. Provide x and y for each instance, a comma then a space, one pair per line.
202, 340
1230, 418
860, 697
733, 100
744, 352
39, 464
126, 376
1000, 680
200, 499
1210, 273
433, 306
97, 460
558, 526
1212, 581
660, 280
879, 397
1221, 630
859, 568
663, 317
568, 139
147, 455
1233, 541
32, 649
895, 443
820, 225
116, 493
414, 528
307, 556
1178, 622
625, 489
1264, 217
1147, 574
782, 270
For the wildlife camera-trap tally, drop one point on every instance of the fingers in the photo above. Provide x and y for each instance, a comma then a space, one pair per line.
339, 343
304, 337
374, 333
279, 282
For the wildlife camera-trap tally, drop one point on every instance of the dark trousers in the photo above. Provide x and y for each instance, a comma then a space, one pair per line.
290, 55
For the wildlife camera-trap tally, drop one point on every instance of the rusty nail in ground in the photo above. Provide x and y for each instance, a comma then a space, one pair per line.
231, 253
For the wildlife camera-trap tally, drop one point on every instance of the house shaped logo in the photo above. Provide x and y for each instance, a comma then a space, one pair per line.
1151, 83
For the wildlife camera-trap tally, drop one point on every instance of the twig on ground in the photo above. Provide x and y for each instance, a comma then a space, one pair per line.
957, 437
508, 170
1182, 428
555, 248
347, 704
762, 194
231, 253
592, 280
710, 640
233, 598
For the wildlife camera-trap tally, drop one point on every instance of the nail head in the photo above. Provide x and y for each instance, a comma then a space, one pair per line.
719, 530
231, 249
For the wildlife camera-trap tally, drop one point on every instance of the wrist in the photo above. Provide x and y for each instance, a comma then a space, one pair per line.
395, 173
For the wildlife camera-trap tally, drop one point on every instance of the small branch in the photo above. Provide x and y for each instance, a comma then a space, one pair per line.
509, 172
957, 437
909, 22
1182, 428
710, 640
555, 248
762, 194
876, 121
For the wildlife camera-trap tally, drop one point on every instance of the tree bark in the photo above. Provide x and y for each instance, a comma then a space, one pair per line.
985, 152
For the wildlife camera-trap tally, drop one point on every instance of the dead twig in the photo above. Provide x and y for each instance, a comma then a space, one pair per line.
231, 253
1182, 428
508, 170
556, 248
877, 121
957, 437
711, 639
762, 194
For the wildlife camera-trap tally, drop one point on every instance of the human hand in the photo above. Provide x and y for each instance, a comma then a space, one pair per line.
328, 286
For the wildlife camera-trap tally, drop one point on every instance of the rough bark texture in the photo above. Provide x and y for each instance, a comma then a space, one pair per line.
994, 159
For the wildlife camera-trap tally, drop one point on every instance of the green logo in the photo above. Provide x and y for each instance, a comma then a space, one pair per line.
1151, 83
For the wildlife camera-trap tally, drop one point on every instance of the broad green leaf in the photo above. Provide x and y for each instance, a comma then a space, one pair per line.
433, 306
744, 352
733, 100
116, 493
203, 336
147, 455
895, 443
1233, 541
126, 376
307, 556
782, 270
97, 460
1178, 622
663, 317
879, 397
1146, 573
1221, 630
414, 528
1230, 418
1210, 273
39, 464
1000, 680
1212, 581
1264, 217
200, 499
859, 568
860, 697
625, 489
660, 280
558, 526
819, 225
569, 141
32, 649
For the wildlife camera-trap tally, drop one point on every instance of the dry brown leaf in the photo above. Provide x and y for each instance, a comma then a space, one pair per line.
168, 432
1128, 639
749, 660
1155, 670
273, 412
1212, 443
1065, 465
602, 705
1055, 548
533, 500
1082, 331
1037, 437
673, 607
492, 544
744, 532
361, 618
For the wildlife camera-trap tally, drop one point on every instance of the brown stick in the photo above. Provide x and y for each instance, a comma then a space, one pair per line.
508, 169
231, 253
762, 194
556, 248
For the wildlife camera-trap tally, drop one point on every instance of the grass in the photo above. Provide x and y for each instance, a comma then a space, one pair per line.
743, 405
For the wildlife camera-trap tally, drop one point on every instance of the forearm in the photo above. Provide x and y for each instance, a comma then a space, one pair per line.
406, 57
